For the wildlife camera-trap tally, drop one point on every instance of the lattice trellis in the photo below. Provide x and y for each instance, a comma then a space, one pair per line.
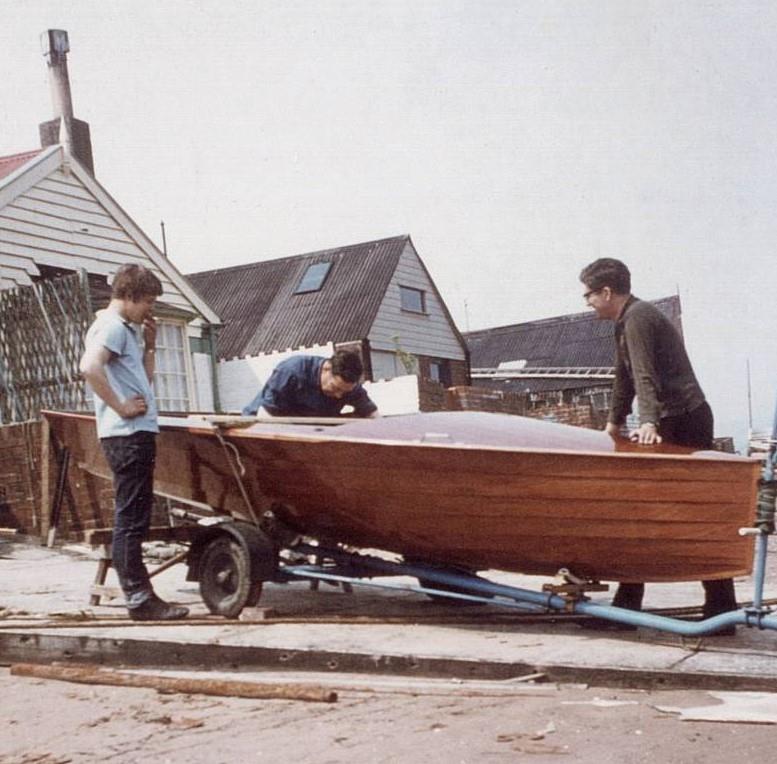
42, 331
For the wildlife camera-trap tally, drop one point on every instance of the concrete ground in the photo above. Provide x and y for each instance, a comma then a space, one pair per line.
417, 680
370, 629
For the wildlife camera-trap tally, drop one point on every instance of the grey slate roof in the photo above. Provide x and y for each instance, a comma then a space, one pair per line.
261, 313
576, 339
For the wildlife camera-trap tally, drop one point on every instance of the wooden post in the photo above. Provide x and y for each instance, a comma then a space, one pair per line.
45, 476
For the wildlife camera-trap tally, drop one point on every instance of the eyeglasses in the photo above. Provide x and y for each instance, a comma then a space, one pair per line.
587, 294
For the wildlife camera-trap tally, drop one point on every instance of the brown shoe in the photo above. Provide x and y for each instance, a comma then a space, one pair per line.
154, 609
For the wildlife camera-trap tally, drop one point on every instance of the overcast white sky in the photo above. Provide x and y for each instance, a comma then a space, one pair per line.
514, 141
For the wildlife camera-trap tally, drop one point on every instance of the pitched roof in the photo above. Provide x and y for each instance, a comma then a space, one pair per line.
23, 171
576, 339
261, 313
13, 162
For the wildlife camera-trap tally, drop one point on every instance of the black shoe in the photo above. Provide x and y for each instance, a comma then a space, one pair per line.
154, 609
711, 609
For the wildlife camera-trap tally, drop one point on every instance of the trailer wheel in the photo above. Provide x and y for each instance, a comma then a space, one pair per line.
225, 578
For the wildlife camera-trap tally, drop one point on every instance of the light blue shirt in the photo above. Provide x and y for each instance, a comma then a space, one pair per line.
126, 375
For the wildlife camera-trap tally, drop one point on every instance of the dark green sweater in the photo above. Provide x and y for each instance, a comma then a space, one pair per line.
651, 363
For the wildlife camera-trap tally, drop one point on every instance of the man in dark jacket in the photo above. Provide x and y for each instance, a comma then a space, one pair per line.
651, 364
307, 385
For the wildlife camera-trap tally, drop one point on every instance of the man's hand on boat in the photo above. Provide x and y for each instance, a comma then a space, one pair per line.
646, 434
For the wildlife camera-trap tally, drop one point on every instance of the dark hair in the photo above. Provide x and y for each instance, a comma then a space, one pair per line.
134, 282
348, 365
607, 272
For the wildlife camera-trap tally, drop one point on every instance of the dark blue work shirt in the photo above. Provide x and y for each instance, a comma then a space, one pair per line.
294, 389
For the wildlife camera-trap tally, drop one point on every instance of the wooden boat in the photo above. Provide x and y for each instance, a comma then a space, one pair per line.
478, 490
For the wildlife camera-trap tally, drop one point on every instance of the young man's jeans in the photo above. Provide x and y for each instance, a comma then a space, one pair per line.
131, 459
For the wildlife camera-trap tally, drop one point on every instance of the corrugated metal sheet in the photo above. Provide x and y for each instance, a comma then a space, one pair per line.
13, 162
576, 339
261, 313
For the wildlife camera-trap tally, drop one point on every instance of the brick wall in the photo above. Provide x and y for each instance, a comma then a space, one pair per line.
87, 501
505, 402
577, 414
459, 373
20, 477
432, 396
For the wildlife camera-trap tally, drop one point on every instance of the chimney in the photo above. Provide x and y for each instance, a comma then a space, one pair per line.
72, 133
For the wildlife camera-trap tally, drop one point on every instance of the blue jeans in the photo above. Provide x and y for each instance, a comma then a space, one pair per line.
131, 459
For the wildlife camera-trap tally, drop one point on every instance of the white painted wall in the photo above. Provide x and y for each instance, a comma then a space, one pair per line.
240, 379
395, 396
202, 382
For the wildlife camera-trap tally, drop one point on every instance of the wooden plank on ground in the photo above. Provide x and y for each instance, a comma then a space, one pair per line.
225, 688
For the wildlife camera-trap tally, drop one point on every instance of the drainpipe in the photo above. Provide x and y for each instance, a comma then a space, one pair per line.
214, 367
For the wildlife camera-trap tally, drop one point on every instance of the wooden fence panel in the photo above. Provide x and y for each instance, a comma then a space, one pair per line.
42, 331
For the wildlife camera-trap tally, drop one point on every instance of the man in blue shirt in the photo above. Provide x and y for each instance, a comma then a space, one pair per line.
307, 385
120, 374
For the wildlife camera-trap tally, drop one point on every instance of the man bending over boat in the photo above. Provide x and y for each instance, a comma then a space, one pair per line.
651, 363
308, 385
120, 373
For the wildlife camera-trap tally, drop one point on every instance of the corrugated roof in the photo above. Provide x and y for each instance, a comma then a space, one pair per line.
576, 339
261, 313
13, 162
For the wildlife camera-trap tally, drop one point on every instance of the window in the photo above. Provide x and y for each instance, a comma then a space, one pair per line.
412, 299
313, 278
171, 381
440, 371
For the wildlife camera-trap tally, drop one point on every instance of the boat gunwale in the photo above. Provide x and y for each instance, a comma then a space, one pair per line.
172, 423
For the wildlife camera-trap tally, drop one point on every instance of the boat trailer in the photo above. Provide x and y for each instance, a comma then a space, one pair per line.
232, 559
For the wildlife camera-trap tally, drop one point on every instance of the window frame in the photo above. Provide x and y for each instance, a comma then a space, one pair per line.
319, 284
187, 373
443, 366
403, 290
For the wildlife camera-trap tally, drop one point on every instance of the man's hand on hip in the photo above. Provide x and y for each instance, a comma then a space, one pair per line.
133, 407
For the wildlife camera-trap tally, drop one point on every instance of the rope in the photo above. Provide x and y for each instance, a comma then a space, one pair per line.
238, 471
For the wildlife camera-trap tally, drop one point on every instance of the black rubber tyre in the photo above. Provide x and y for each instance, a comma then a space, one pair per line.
225, 578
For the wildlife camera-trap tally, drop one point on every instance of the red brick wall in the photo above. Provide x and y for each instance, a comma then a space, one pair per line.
485, 399
20, 477
459, 370
434, 397
87, 500
577, 414
459, 373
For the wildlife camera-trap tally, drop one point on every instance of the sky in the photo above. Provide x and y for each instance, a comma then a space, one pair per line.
514, 141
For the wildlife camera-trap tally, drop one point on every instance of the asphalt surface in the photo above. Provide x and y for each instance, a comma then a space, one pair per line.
45, 616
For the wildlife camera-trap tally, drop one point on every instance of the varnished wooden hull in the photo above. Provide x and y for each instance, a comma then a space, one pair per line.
479, 490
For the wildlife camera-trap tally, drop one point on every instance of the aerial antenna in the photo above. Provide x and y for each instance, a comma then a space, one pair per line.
749, 403
164, 239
